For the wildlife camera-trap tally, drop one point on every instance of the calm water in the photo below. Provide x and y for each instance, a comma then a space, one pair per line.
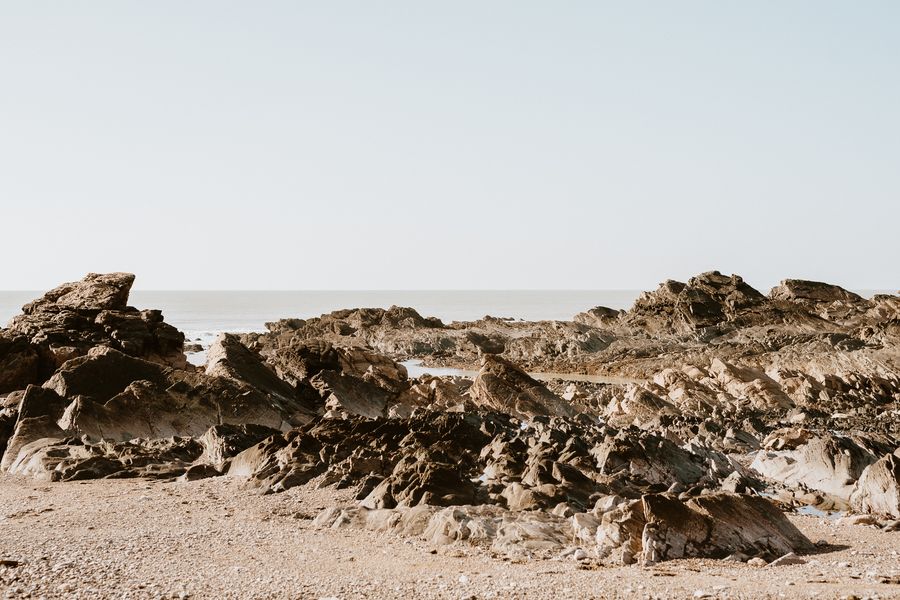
202, 314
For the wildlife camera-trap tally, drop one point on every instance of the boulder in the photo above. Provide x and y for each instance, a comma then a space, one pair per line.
36, 419
825, 462
503, 387
878, 488
228, 357
599, 316
19, 362
95, 292
222, 442
661, 527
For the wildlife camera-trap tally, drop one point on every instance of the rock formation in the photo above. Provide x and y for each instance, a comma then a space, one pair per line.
659, 437
73, 318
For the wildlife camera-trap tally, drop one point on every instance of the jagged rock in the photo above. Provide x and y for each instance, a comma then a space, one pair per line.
416, 456
661, 527
108, 395
403, 333
502, 386
95, 292
878, 488
350, 395
421, 479
19, 362
103, 373
599, 316
502, 531
36, 419
648, 457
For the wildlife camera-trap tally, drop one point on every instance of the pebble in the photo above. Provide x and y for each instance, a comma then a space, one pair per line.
788, 559
756, 562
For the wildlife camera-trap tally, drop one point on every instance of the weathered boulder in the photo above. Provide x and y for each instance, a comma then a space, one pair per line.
222, 442
19, 362
108, 395
505, 533
878, 488
229, 358
503, 387
825, 462
599, 316
95, 292
812, 292
38, 412
661, 527
72, 459
429, 455
349, 395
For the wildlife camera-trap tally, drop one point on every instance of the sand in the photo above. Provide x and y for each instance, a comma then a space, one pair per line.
216, 539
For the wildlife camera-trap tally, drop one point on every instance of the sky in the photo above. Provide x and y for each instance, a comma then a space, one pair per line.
449, 145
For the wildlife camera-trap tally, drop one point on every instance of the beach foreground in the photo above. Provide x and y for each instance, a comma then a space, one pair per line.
211, 538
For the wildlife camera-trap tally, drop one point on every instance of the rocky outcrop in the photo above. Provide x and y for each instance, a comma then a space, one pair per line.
599, 316
223, 442
73, 318
229, 358
402, 333
478, 458
38, 412
72, 459
718, 396
812, 292
707, 300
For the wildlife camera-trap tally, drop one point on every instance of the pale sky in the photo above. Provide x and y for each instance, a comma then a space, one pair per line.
404, 145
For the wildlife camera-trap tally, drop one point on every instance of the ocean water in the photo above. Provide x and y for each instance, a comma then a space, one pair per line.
203, 314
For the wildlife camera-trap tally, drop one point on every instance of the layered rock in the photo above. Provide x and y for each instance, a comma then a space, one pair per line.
654, 528
110, 396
